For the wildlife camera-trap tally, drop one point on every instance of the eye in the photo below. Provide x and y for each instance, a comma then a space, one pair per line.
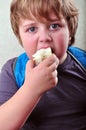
31, 29
54, 26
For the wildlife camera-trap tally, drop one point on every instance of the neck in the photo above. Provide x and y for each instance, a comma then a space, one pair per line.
63, 58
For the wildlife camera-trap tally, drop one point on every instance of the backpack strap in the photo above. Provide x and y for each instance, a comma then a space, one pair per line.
79, 55
19, 69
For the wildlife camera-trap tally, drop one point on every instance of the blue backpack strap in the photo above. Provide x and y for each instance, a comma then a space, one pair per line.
19, 69
79, 55
20, 64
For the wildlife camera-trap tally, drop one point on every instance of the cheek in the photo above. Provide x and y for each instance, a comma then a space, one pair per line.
62, 44
29, 47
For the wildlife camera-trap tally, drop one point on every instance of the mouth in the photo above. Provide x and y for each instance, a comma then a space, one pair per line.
52, 50
41, 54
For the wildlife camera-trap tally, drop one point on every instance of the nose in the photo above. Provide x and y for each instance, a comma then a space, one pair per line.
45, 36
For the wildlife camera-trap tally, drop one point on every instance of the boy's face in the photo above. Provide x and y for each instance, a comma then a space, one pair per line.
36, 35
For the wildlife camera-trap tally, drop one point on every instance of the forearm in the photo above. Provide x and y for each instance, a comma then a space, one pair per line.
15, 111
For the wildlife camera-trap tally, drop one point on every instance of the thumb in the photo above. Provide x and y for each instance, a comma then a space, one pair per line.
30, 65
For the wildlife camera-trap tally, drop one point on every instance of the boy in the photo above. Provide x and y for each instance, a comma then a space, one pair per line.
51, 95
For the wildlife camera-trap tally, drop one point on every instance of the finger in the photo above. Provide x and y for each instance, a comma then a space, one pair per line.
50, 60
54, 73
53, 67
54, 78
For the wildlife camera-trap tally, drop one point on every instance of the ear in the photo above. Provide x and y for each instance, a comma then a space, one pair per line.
70, 38
69, 41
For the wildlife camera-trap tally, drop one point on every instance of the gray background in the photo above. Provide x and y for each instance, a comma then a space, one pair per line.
9, 46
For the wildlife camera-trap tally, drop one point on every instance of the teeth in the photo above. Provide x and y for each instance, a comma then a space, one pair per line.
41, 54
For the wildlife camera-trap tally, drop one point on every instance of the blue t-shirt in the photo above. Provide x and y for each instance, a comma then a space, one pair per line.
61, 108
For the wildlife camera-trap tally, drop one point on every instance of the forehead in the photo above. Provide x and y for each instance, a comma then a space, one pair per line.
39, 9
52, 18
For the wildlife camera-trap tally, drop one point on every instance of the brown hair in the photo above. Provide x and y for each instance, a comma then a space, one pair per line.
24, 9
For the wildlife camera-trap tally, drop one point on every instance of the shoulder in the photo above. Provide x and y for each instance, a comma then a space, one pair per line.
7, 70
8, 84
8, 66
78, 55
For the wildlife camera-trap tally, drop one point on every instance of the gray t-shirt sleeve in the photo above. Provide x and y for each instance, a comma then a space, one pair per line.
8, 85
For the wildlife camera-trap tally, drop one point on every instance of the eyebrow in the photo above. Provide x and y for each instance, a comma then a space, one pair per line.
32, 22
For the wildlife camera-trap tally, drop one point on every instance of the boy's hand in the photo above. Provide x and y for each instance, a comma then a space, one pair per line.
42, 77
